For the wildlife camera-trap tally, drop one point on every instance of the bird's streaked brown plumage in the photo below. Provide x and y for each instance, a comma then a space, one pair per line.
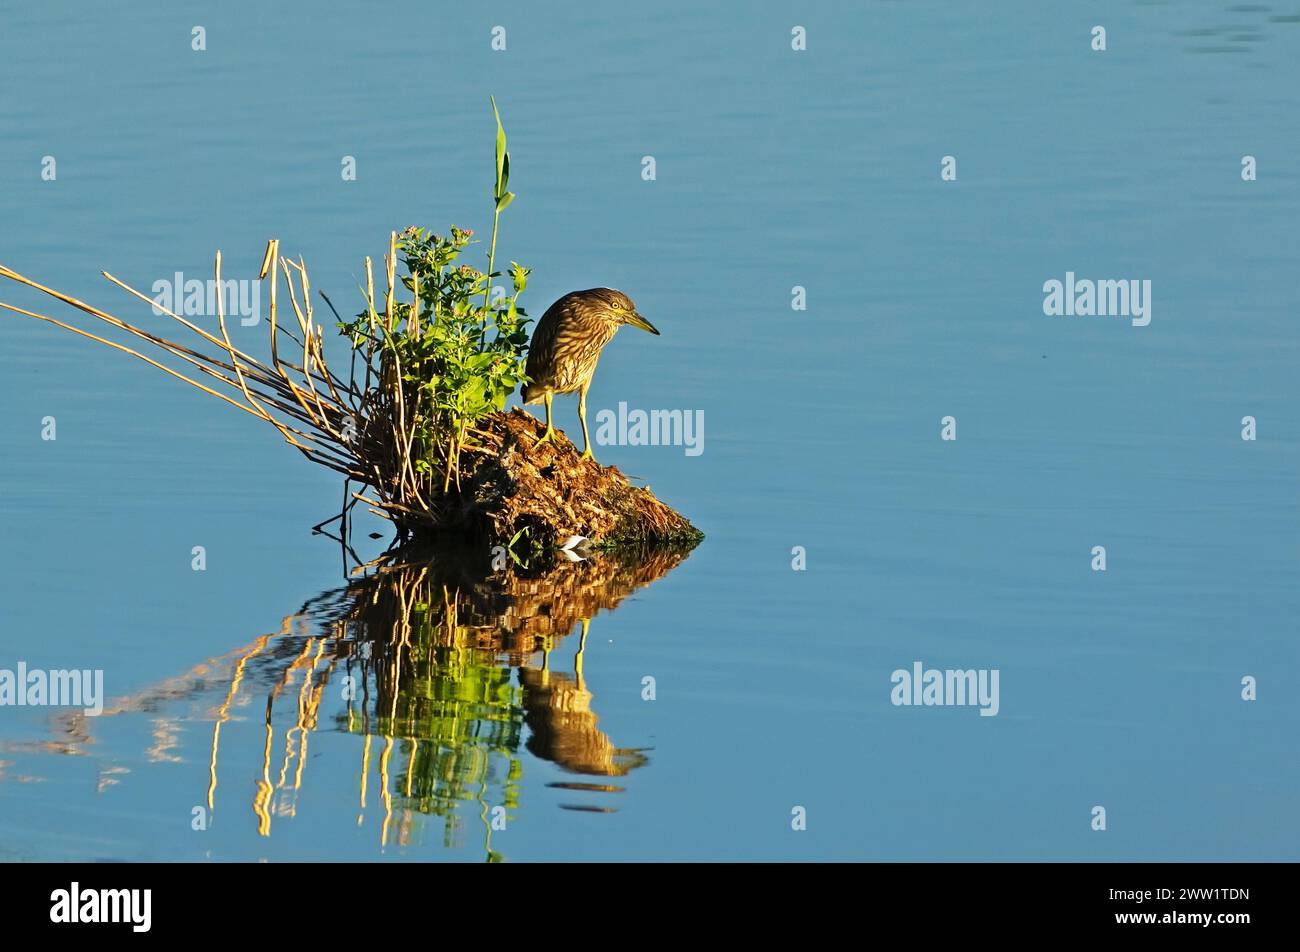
567, 343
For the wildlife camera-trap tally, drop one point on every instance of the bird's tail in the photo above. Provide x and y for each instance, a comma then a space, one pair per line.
533, 393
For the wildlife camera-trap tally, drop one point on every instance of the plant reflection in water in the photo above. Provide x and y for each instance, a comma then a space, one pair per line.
440, 671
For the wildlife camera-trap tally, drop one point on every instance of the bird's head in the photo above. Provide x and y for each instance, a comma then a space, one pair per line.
617, 308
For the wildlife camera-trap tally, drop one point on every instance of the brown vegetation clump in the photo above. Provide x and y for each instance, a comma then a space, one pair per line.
510, 484
495, 483
415, 420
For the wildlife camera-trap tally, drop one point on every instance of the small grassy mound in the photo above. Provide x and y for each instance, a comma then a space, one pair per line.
512, 484
416, 421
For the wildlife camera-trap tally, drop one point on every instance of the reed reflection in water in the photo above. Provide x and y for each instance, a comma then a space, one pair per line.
444, 674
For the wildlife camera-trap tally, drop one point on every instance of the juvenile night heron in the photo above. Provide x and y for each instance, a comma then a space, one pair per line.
567, 344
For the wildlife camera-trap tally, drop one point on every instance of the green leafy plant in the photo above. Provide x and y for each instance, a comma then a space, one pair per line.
455, 352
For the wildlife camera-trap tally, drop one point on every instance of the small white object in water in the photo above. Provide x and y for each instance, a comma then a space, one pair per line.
572, 547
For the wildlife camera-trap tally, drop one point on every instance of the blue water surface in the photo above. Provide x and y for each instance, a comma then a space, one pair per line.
775, 168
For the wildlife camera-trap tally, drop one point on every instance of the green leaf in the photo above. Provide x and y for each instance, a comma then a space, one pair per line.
504, 201
501, 148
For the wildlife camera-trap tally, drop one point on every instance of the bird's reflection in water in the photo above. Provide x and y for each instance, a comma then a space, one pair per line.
444, 674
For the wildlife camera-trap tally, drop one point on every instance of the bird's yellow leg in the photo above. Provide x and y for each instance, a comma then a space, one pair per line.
582, 415
550, 432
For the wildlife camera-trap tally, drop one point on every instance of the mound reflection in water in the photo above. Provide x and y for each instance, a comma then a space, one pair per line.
443, 674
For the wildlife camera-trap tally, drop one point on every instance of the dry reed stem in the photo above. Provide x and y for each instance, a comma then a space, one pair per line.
283, 393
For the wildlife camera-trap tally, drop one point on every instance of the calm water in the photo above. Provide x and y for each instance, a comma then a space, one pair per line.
774, 169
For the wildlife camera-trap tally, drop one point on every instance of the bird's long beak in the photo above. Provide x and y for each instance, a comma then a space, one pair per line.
636, 320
